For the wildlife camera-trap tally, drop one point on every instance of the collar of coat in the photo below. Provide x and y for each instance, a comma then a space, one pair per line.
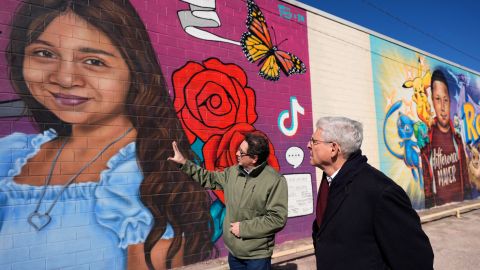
339, 189
254, 172
354, 163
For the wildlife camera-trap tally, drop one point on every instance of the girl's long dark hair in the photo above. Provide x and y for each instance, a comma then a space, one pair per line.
170, 195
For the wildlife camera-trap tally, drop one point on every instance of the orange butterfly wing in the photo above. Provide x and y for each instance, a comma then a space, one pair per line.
254, 48
257, 25
257, 46
289, 63
256, 43
270, 69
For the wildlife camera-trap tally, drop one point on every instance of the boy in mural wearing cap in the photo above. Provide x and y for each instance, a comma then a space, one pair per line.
443, 159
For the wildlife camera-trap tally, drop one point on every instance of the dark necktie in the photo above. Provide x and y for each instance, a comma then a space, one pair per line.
322, 201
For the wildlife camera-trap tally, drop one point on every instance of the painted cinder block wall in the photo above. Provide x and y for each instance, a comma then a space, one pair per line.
342, 77
369, 77
211, 94
95, 68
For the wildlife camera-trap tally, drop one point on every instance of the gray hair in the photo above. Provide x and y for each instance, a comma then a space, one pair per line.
346, 132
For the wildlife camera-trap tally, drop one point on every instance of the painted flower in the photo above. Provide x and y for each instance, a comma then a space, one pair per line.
212, 97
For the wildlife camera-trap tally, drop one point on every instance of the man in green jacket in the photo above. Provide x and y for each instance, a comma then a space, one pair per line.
256, 201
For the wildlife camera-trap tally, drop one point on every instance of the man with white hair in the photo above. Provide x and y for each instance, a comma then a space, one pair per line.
364, 220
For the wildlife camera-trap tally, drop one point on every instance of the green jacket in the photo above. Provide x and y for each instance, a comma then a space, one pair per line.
258, 200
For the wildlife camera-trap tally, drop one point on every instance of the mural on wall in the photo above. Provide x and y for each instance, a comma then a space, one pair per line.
91, 103
294, 156
286, 13
216, 108
428, 110
202, 14
292, 114
257, 45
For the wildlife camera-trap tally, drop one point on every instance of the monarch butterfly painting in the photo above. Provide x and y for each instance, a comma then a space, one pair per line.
257, 46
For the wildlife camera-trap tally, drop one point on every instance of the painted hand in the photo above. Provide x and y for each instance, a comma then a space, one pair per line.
177, 157
235, 228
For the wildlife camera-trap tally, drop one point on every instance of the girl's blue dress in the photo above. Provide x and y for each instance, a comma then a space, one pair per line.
92, 223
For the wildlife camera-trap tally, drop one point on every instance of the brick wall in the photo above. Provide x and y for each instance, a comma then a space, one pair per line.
83, 75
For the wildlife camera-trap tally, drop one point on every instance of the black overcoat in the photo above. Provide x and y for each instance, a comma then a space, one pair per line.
369, 223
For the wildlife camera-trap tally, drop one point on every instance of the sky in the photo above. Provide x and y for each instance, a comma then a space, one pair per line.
448, 29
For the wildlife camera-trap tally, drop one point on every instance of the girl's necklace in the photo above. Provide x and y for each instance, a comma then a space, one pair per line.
39, 220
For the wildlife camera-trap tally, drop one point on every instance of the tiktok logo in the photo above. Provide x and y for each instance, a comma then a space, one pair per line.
295, 109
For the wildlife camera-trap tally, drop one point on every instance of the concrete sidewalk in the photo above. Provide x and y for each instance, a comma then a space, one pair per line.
301, 248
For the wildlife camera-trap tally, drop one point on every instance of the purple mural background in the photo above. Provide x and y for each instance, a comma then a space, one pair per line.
174, 48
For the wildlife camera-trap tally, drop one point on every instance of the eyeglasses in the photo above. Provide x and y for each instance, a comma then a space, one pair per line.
315, 142
242, 154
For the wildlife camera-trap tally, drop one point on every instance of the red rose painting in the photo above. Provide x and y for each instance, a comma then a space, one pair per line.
216, 105
212, 97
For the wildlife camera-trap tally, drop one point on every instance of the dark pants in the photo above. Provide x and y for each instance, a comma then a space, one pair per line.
249, 264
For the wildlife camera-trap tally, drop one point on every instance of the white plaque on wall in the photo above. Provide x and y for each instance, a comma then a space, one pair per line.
300, 195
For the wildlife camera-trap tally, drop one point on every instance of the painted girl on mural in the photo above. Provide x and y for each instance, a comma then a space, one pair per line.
93, 188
